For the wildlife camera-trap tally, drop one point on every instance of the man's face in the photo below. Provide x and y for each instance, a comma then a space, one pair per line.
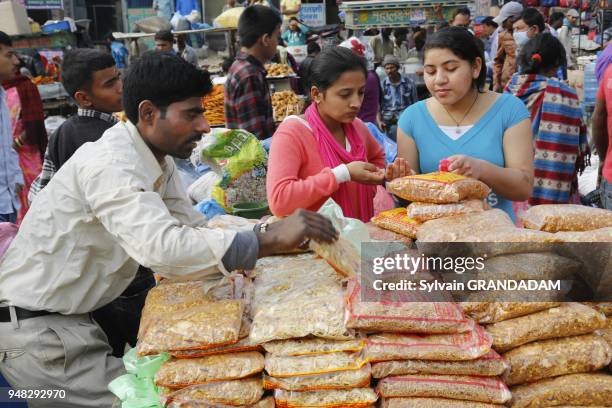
573, 20
106, 90
461, 20
391, 70
176, 129
9, 63
489, 30
164, 46
271, 42
293, 25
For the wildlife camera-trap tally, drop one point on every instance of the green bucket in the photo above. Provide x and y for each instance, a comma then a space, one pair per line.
253, 210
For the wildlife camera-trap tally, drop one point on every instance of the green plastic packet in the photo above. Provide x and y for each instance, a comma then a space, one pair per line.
137, 389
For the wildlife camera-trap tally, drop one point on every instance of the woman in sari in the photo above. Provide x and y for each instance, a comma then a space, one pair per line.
29, 133
560, 138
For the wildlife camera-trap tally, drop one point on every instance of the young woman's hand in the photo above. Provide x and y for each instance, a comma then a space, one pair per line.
399, 168
365, 173
465, 165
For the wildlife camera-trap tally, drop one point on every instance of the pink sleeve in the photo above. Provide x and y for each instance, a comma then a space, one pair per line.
375, 153
286, 192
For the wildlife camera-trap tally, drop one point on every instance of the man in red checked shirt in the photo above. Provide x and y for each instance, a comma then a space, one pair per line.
247, 96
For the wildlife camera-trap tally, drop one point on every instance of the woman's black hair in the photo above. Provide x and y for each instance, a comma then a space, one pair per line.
464, 45
331, 63
541, 54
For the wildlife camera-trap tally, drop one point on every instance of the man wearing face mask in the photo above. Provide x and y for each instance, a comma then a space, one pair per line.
530, 24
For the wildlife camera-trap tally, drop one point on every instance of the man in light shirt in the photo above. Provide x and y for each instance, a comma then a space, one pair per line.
118, 202
566, 35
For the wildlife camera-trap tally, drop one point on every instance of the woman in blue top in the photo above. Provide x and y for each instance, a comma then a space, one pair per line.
483, 134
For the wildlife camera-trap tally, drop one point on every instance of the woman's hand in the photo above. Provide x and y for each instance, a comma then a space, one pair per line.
399, 168
365, 173
465, 165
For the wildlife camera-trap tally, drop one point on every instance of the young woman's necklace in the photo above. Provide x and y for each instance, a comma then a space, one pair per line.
458, 129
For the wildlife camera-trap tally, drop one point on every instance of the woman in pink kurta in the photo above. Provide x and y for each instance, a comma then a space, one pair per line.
329, 152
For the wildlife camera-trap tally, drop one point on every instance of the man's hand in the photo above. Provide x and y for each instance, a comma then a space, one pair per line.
399, 168
289, 233
465, 165
365, 173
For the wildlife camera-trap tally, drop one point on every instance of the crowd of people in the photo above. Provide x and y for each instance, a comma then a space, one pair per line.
106, 207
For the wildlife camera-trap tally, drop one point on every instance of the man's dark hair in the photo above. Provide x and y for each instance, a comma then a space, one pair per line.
532, 17
464, 45
332, 62
313, 48
556, 16
550, 55
79, 66
294, 18
490, 22
162, 78
400, 31
256, 21
462, 10
5, 39
164, 35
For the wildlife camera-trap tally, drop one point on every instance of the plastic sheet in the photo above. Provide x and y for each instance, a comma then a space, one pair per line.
438, 187
425, 211
433, 403
493, 312
292, 366
572, 390
310, 346
442, 347
489, 365
353, 398
569, 319
182, 373
330, 381
397, 220
469, 388
566, 217
236, 393
406, 317
551, 358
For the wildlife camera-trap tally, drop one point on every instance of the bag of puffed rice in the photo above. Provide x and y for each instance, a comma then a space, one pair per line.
566, 217
598, 235
575, 389
352, 398
445, 347
426, 211
337, 380
569, 319
551, 358
438, 187
489, 365
312, 345
182, 373
493, 312
267, 402
293, 366
397, 220
236, 393
433, 403
341, 255
469, 388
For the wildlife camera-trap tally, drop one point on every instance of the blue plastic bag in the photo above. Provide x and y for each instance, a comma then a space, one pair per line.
388, 145
266, 143
210, 208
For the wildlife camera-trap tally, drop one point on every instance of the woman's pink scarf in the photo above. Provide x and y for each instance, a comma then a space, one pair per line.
333, 155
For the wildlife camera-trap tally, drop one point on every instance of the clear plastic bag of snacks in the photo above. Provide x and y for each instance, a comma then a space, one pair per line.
337, 380
434, 403
312, 345
551, 358
292, 366
352, 398
598, 235
540, 266
298, 298
397, 220
469, 388
380, 234
267, 402
446, 347
244, 344
403, 317
566, 217
182, 373
235, 393
426, 211
341, 255
569, 319
493, 312
603, 307
572, 390
438, 187
489, 365
210, 324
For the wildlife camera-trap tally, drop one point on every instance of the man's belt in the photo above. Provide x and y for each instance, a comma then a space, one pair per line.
22, 314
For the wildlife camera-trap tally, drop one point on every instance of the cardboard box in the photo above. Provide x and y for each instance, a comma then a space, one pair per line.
14, 18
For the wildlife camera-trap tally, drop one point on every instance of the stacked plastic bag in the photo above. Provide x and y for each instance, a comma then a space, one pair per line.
312, 359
